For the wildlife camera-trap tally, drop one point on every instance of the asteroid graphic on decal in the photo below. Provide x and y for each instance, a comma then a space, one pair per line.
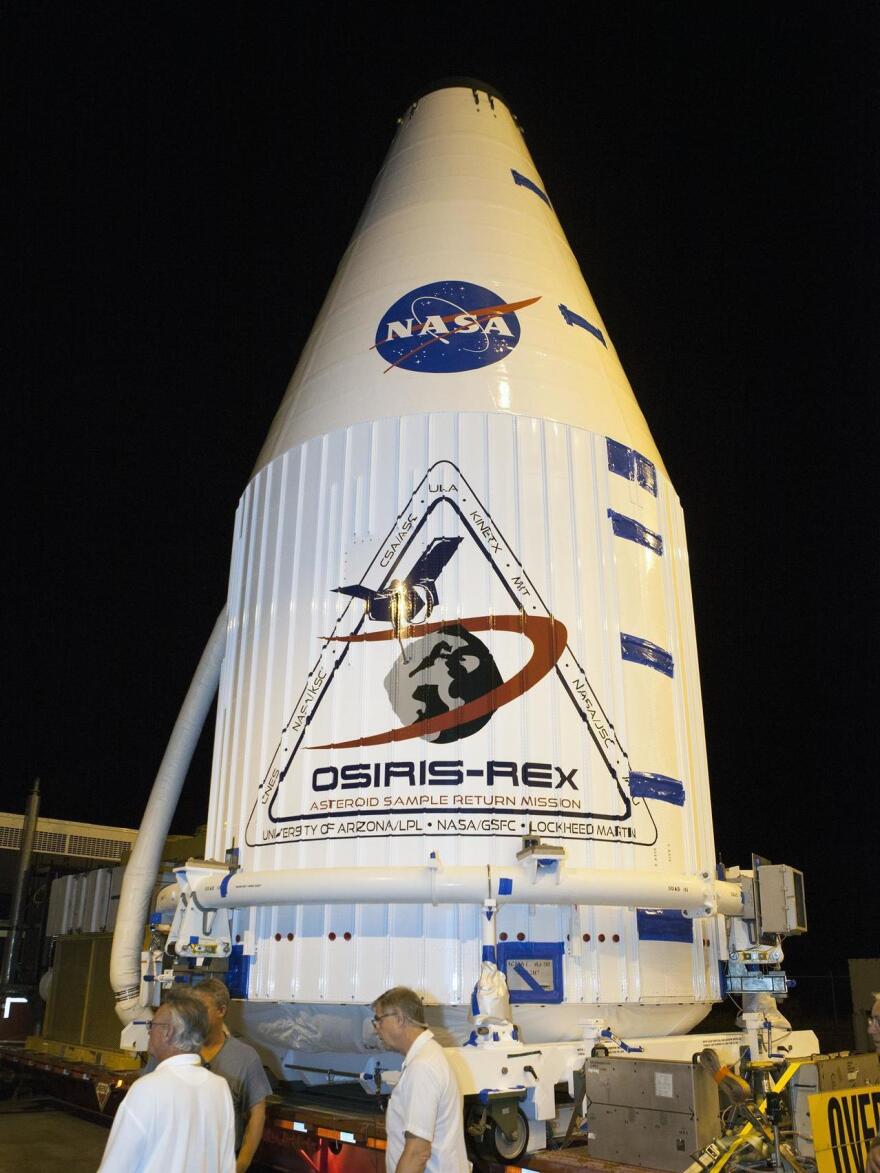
444, 671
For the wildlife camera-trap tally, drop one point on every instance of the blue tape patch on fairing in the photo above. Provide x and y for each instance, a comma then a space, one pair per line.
657, 786
641, 651
664, 924
512, 956
239, 972
573, 319
505, 886
634, 531
626, 462
224, 883
522, 181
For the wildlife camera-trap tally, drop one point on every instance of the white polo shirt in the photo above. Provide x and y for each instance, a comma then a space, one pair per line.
427, 1103
178, 1119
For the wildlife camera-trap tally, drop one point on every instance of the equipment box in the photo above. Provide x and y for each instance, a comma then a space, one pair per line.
650, 1112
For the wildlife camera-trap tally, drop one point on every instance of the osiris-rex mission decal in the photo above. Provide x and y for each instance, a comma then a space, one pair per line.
411, 719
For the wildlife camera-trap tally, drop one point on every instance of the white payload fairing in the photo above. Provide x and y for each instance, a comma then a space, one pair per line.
459, 616
459, 739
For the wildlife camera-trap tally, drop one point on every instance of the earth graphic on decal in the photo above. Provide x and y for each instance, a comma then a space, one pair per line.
442, 671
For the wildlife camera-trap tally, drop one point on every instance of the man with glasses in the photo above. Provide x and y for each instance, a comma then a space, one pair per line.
873, 1164
179, 1118
423, 1123
237, 1062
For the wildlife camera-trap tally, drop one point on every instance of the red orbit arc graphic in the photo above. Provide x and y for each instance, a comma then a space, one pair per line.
548, 637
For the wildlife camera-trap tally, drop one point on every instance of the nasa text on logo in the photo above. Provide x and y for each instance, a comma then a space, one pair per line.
447, 327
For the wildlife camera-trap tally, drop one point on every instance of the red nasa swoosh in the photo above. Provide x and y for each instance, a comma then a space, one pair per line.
486, 312
548, 637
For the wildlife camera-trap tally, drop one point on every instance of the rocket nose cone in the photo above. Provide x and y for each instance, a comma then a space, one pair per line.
458, 83
458, 261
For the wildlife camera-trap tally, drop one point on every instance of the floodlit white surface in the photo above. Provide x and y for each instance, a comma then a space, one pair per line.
445, 206
508, 462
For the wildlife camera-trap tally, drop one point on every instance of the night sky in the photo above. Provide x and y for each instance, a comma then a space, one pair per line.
185, 179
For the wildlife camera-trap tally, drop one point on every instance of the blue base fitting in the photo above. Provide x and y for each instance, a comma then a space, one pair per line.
517, 1091
239, 972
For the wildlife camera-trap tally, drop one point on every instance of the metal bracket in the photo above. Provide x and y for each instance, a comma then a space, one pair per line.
579, 1093
540, 858
608, 1033
196, 932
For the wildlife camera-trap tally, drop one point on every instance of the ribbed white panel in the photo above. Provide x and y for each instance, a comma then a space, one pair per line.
530, 501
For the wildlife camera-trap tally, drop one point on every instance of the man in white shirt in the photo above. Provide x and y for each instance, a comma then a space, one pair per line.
237, 1062
873, 1162
179, 1118
423, 1123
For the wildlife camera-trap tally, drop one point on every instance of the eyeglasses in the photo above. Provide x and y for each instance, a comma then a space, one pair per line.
873, 1019
379, 1017
152, 1024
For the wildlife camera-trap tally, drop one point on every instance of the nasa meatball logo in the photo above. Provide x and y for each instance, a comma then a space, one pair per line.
448, 327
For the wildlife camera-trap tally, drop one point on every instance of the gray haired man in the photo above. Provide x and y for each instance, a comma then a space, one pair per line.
423, 1122
237, 1062
179, 1118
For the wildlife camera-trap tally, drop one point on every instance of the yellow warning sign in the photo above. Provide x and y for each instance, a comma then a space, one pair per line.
845, 1123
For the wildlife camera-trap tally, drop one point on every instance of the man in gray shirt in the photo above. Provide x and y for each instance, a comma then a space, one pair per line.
237, 1062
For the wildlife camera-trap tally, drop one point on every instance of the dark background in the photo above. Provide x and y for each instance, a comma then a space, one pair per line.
185, 179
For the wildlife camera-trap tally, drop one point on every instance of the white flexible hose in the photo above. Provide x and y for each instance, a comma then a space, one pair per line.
140, 873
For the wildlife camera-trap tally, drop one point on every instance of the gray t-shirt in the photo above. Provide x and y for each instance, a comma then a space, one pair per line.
240, 1066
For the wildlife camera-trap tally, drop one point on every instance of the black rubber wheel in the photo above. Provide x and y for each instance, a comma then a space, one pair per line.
511, 1150
494, 1145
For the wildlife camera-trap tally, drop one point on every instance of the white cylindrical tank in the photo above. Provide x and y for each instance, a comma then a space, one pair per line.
460, 618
